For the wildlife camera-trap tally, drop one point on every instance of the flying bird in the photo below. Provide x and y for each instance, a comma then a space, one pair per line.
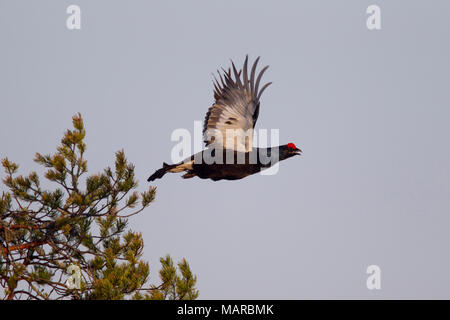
228, 131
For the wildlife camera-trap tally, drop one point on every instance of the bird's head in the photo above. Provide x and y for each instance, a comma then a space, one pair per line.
289, 150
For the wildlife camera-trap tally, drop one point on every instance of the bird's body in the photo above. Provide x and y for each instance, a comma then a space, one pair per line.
230, 165
228, 133
233, 170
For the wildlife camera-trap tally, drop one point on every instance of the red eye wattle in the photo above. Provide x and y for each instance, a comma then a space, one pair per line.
291, 146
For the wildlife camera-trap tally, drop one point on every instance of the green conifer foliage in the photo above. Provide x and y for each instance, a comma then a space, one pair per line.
72, 242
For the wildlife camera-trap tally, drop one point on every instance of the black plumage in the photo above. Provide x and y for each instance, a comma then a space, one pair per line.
236, 107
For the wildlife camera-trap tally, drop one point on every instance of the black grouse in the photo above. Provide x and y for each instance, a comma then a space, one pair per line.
228, 132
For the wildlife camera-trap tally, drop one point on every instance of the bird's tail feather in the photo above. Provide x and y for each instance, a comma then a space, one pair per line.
160, 172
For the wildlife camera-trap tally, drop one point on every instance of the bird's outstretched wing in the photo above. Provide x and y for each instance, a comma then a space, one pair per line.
236, 108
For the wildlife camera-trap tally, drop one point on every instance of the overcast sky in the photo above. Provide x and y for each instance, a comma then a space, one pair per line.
369, 109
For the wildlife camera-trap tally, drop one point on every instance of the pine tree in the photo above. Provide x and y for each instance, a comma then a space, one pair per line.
73, 242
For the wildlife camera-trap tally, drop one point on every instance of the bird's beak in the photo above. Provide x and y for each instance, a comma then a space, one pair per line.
298, 152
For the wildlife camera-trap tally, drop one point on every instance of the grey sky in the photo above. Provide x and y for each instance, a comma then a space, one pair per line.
369, 109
